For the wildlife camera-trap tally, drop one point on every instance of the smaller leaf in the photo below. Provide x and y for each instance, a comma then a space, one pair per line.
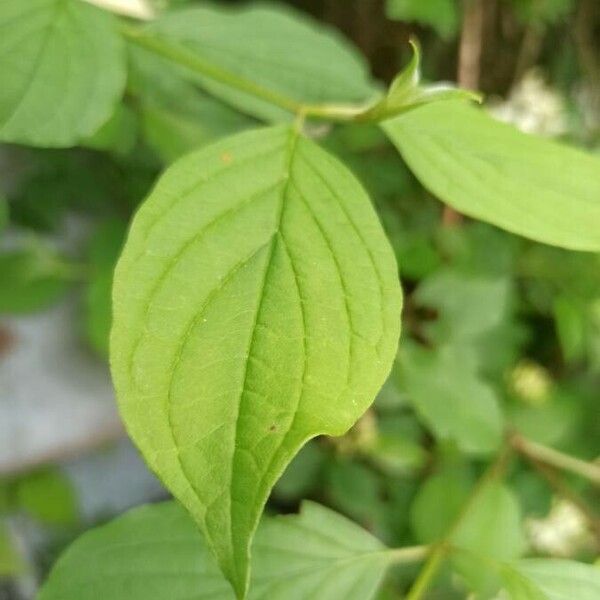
451, 399
432, 519
490, 531
104, 250
47, 496
469, 305
32, 279
156, 552
407, 92
3, 213
302, 474
551, 579
10, 561
490, 171
117, 135
441, 15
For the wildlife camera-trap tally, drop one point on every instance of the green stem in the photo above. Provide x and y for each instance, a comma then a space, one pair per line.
441, 549
408, 554
554, 458
186, 58
191, 60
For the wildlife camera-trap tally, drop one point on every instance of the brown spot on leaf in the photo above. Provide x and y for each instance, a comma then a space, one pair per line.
226, 158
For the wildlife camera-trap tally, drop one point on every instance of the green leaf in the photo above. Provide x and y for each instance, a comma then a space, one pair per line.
317, 553
274, 47
155, 552
451, 399
490, 171
570, 320
431, 519
442, 15
4, 213
302, 475
551, 579
256, 305
407, 92
105, 246
354, 489
118, 134
176, 116
47, 496
468, 304
11, 563
543, 12
32, 279
490, 531
62, 71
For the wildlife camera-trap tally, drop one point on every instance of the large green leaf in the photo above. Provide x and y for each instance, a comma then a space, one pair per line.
274, 47
256, 305
156, 552
551, 579
62, 71
489, 170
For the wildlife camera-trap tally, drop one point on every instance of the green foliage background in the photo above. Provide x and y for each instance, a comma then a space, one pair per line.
499, 332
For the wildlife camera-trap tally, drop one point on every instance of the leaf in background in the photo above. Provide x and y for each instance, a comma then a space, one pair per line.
491, 530
544, 12
316, 554
11, 564
570, 320
490, 171
451, 399
438, 503
156, 552
104, 250
4, 214
302, 475
355, 489
407, 92
176, 115
62, 71
47, 496
552, 420
468, 305
118, 134
442, 15
551, 579
32, 280
275, 47
256, 305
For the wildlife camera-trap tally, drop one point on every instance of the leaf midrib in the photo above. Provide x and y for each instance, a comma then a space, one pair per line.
294, 135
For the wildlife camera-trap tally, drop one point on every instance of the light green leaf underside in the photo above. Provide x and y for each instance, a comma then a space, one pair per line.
274, 47
552, 579
256, 305
156, 552
62, 71
490, 171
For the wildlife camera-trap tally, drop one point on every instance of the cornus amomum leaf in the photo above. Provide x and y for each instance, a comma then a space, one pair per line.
276, 48
256, 305
63, 71
156, 552
488, 170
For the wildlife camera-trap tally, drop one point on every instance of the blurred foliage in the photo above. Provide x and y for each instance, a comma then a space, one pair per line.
498, 331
